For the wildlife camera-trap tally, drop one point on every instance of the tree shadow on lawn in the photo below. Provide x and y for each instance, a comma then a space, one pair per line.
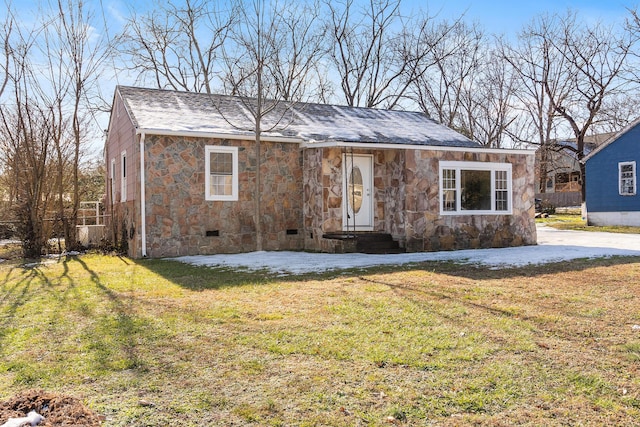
104, 333
121, 324
480, 272
14, 296
199, 278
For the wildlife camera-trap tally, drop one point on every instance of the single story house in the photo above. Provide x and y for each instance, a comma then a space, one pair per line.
182, 173
612, 193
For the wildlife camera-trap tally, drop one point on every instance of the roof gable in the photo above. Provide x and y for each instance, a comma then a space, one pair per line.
175, 112
630, 127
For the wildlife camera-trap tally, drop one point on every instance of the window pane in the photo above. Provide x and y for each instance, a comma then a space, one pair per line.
221, 185
355, 189
501, 201
449, 200
449, 190
221, 163
501, 191
475, 187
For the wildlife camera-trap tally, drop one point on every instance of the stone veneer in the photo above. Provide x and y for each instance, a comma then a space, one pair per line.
427, 230
179, 218
302, 200
406, 186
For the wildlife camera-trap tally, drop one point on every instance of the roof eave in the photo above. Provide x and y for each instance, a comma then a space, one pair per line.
390, 146
330, 144
217, 135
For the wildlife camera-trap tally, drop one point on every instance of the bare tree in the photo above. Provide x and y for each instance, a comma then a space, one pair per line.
618, 111
487, 110
24, 143
76, 57
540, 70
271, 66
274, 52
52, 70
24, 135
457, 62
177, 45
5, 42
376, 52
297, 49
594, 64
6, 187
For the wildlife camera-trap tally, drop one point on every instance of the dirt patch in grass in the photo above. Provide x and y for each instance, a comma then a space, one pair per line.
57, 410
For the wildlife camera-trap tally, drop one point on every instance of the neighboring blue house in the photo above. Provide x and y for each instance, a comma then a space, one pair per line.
612, 195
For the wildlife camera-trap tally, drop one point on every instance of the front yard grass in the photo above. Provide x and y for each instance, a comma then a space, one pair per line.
575, 222
157, 343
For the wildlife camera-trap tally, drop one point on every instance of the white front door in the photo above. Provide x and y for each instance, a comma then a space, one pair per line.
357, 193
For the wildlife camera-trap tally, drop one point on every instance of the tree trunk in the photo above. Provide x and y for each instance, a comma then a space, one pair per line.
258, 192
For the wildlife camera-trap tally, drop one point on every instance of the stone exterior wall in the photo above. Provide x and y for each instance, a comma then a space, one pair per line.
323, 195
406, 187
302, 200
314, 196
181, 222
390, 188
427, 230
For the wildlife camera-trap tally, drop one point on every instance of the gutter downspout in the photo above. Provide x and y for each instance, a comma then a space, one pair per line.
143, 210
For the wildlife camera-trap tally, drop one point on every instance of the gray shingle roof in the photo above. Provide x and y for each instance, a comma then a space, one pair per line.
172, 111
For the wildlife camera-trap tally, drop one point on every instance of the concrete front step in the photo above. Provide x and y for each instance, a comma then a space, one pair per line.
369, 242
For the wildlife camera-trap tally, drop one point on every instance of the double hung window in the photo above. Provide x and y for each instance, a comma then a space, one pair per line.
627, 178
221, 171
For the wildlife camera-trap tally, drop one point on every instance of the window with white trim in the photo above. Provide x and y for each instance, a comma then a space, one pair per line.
113, 180
123, 181
221, 171
475, 188
627, 178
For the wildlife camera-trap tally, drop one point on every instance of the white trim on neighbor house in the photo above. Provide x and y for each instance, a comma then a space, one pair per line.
631, 219
209, 188
627, 183
501, 187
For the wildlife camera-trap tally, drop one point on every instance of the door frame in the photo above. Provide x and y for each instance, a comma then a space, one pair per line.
367, 181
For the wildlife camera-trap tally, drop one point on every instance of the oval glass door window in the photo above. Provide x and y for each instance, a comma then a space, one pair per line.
355, 189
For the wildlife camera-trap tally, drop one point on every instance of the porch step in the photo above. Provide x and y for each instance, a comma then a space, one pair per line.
370, 243
377, 243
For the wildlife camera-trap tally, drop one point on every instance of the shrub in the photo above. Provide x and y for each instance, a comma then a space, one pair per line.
547, 207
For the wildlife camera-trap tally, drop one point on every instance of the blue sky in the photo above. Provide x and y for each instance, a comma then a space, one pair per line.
496, 16
509, 16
